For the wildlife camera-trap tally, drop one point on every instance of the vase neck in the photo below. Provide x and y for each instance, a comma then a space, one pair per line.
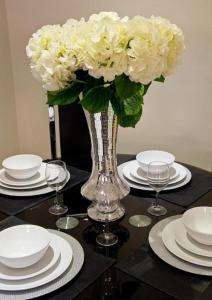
103, 129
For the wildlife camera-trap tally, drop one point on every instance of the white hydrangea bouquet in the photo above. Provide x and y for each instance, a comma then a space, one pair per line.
106, 59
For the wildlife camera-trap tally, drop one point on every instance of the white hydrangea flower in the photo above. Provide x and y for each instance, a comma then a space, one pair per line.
52, 60
154, 48
101, 45
172, 39
104, 15
72, 23
75, 33
105, 46
145, 52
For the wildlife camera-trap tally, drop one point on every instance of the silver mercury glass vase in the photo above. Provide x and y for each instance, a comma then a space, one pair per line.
104, 187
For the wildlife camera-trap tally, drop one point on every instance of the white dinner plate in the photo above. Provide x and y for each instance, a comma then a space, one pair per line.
189, 244
59, 268
37, 178
139, 186
140, 174
67, 276
28, 193
160, 250
130, 171
168, 238
48, 261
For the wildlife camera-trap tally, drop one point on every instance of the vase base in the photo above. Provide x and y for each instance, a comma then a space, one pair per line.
96, 215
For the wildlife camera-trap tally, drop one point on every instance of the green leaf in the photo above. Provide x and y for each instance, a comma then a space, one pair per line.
131, 106
129, 110
65, 96
125, 88
96, 99
146, 87
115, 104
60, 92
160, 79
129, 121
92, 82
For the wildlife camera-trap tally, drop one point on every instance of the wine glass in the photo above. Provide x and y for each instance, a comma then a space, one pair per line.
158, 176
56, 177
106, 238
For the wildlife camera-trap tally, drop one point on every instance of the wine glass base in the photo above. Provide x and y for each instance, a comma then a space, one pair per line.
58, 210
67, 223
158, 210
140, 221
107, 239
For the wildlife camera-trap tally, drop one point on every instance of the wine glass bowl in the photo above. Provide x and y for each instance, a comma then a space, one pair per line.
106, 238
56, 183
158, 176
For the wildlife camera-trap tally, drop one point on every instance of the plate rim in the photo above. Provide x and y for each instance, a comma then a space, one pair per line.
21, 187
157, 246
38, 282
29, 193
179, 251
147, 188
22, 183
57, 283
45, 268
143, 178
131, 177
70, 273
209, 251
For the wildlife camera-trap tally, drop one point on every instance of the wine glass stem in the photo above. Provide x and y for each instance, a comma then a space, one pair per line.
156, 202
56, 199
106, 227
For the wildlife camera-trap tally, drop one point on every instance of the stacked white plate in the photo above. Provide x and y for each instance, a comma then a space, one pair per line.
136, 177
61, 263
171, 242
32, 186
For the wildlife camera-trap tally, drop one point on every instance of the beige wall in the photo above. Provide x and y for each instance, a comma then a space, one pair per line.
177, 114
8, 123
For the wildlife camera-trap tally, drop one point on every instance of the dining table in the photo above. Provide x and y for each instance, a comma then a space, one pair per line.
129, 269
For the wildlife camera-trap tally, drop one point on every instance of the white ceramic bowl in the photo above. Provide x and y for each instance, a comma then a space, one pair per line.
146, 157
22, 166
198, 223
23, 245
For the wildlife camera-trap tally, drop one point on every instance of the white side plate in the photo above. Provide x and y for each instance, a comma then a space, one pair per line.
138, 186
34, 282
140, 174
160, 250
185, 241
28, 193
168, 238
27, 187
48, 261
71, 272
130, 172
37, 178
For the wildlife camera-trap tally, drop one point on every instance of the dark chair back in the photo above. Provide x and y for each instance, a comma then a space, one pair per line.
74, 137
